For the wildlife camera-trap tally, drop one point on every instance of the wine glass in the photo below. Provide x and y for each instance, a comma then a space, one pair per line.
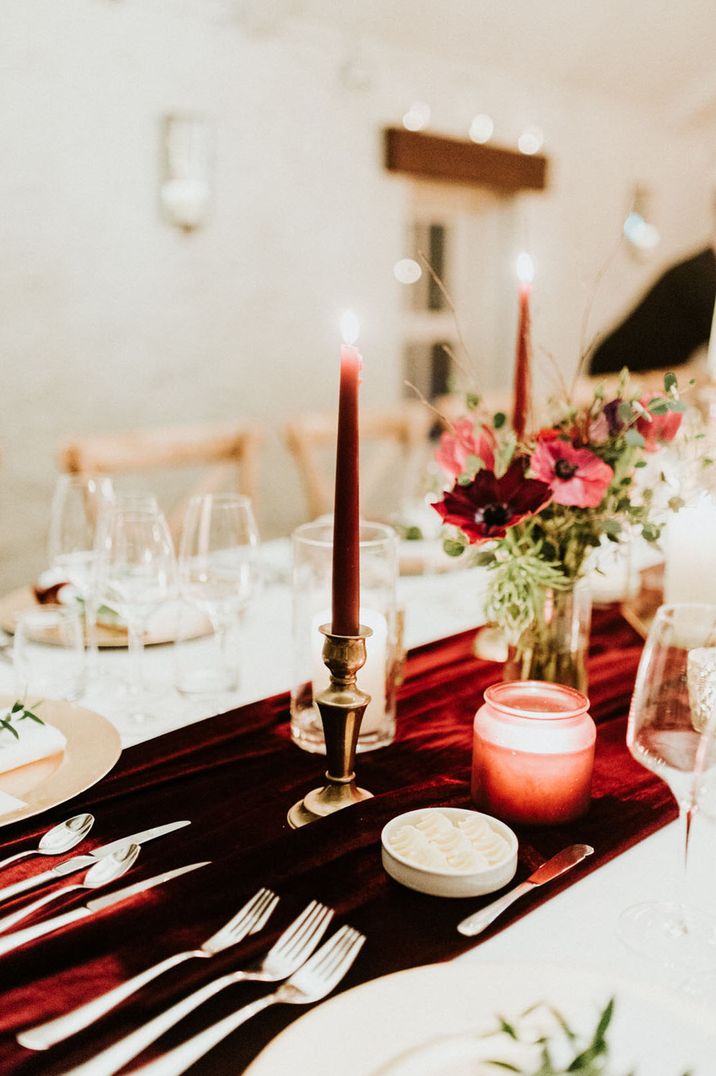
218, 574
671, 733
136, 572
78, 503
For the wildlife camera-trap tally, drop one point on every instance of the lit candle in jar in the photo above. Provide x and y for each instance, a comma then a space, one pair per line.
373, 675
690, 561
533, 752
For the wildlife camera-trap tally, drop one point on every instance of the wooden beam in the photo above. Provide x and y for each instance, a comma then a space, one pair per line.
457, 161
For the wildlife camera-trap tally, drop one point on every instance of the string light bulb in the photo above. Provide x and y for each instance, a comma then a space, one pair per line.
407, 271
481, 128
531, 140
417, 117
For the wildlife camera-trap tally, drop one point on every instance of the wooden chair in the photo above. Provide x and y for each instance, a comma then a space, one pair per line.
228, 450
391, 441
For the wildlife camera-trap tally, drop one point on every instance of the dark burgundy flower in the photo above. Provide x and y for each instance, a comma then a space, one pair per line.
488, 506
614, 419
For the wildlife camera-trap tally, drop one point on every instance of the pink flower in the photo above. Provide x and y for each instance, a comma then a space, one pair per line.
463, 441
661, 429
488, 506
599, 429
578, 478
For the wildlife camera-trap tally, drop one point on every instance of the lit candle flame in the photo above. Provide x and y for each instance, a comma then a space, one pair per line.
350, 326
525, 267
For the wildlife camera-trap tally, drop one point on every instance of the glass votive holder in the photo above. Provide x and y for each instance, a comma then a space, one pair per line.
533, 752
207, 657
311, 588
48, 653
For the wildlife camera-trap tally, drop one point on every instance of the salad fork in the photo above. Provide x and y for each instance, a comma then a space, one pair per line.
294, 946
312, 982
248, 920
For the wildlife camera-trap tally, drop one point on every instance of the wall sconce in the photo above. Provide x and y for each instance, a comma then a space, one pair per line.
185, 191
641, 235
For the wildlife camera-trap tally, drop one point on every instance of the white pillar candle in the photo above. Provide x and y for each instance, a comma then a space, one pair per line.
371, 678
690, 547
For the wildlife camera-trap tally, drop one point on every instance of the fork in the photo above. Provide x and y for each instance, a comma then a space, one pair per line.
312, 982
294, 946
248, 920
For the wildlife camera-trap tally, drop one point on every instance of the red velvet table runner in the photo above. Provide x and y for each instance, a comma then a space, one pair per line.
235, 776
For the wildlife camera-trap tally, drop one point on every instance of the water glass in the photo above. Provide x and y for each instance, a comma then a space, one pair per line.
78, 503
48, 653
218, 575
136, 573
311, 587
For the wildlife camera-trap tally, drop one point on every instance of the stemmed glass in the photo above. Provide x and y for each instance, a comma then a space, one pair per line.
671, 733
218, 573
136, 572
78, 503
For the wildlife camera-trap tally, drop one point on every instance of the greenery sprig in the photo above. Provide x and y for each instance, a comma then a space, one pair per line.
16, 713
579, 1054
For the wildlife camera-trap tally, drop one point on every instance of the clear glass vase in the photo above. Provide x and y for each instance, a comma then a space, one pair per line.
554, 647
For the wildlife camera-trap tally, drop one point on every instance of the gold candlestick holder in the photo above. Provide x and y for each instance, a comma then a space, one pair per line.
341, 706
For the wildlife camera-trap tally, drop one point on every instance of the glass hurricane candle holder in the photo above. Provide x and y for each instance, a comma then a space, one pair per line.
533, 752
312, 556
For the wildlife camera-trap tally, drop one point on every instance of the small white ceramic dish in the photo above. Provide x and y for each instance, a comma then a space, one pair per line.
441, 879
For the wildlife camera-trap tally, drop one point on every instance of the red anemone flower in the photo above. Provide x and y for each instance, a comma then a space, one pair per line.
579, 478
488, 506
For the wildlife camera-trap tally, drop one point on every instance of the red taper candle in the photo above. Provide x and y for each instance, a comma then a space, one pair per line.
522, 385
346, 518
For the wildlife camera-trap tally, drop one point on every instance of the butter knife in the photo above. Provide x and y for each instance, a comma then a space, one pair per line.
21, 937
77, 863
563, 861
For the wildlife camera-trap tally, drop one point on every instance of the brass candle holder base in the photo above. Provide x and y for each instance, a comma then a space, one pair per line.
341, 706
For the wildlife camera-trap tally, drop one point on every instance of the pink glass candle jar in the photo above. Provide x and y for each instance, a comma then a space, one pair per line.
533, 752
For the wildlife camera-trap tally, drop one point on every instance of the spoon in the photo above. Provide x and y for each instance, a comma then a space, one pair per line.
105, 870
59, 839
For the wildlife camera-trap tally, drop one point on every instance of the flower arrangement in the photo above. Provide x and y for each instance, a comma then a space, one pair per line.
531, 509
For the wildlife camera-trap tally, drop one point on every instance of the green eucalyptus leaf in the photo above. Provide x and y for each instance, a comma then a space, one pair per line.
624, 412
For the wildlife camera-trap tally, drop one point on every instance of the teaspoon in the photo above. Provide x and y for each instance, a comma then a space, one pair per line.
105, 870
57, 840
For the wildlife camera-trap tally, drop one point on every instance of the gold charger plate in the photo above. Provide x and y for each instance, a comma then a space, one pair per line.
23, 600
93, 747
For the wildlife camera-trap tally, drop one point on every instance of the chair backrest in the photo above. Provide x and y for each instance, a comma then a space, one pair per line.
401, 432
229, 450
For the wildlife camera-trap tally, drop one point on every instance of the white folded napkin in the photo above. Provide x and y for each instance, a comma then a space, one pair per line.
35, 742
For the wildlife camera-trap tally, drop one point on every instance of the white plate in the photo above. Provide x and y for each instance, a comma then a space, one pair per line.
421, 1022
162, 625
93, 746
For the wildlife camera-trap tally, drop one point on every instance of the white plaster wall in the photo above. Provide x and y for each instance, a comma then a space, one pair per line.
110, 318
